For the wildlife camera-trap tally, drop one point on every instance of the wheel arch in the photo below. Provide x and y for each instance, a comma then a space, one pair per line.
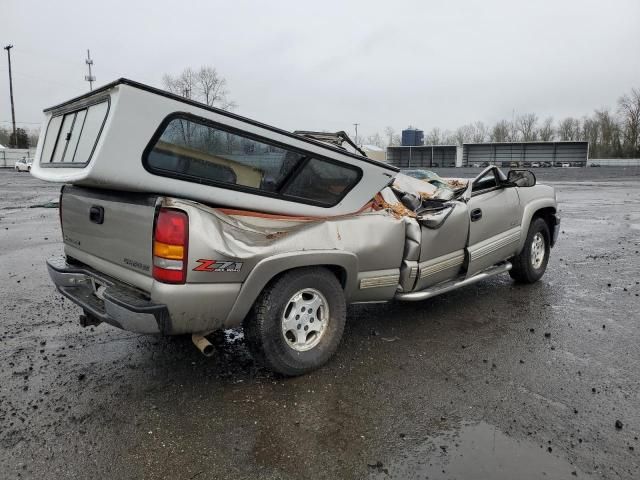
542, 208
344, 265
548, 214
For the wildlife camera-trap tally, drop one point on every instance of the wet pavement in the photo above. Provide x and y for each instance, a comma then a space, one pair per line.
494, 381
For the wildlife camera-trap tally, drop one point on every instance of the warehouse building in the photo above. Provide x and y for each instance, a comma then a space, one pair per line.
423, 156
508, 154
526, 154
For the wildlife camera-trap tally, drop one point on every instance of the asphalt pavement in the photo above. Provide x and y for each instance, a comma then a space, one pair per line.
493, 381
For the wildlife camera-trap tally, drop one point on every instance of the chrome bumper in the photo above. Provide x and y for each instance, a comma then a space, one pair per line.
107, 300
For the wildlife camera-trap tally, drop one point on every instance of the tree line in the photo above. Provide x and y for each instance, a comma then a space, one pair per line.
610, 133
24, 138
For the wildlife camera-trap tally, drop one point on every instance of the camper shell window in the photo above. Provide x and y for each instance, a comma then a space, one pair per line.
201, 151
71, 137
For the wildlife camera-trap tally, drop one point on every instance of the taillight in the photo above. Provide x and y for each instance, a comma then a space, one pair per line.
170, 242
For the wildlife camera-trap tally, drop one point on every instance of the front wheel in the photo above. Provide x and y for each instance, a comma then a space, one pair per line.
297, 322
530, 264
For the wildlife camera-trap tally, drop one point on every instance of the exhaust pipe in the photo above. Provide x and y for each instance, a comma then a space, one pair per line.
202, 344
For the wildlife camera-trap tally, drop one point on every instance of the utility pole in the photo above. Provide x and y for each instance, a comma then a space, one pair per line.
89, 78
13, 111
355, 140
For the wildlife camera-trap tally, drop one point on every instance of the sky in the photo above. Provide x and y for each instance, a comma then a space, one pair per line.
327, 65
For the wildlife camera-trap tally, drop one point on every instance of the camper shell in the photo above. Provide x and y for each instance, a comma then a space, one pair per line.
129, 136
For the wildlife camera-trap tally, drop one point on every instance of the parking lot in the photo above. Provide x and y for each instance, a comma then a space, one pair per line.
495, 381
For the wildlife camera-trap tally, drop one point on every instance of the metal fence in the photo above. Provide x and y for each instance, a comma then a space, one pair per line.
9, 156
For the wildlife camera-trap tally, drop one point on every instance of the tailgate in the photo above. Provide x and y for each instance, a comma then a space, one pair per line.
110, 231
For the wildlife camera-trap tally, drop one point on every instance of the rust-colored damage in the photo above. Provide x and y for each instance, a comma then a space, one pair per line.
275, 235
455, 183
426, 195
398, 210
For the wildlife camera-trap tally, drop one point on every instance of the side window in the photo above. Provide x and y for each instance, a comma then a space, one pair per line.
203, 153
71, 137
485, 182
321, 182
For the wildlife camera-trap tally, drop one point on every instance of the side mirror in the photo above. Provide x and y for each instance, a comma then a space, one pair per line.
521, 178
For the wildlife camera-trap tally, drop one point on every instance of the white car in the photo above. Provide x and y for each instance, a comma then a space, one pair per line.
535, 165
565, 165
23, 165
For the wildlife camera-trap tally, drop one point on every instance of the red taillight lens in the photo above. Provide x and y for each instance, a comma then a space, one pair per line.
170, 242
171, 227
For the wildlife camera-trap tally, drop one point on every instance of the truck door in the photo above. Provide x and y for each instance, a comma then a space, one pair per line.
494, 221
442, 245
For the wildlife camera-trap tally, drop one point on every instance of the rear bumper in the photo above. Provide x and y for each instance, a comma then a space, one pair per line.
107, 299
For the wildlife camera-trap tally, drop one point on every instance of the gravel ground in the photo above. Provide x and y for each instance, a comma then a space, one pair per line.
494, 381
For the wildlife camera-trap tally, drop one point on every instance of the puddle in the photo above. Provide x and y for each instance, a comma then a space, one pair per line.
479, 452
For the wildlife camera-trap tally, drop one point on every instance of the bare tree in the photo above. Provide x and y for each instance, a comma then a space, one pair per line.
448, 138
591, 133
546, 132
204, 85
569, 129
629, 109
375, 139
396, 140
182, 84
609, 133
526, 126
500, 131
389, 132
463, 134
433, 137
479, 132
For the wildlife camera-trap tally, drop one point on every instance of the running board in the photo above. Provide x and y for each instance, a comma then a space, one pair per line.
454, 284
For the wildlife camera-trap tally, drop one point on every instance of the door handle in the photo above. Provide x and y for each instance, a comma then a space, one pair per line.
476, 215
96, 214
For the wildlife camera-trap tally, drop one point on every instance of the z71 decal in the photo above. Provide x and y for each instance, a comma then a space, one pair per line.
217, 266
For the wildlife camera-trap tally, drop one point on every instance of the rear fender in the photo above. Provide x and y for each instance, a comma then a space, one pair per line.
272, 266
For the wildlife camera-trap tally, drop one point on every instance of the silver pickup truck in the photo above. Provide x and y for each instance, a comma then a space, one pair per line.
178, 218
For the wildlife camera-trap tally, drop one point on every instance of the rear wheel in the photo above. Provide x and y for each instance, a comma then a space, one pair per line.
297, 322
529, 266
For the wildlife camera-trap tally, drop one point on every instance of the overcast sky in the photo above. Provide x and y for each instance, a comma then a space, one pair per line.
325, 65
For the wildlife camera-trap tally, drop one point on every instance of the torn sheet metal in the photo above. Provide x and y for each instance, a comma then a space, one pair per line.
376, 237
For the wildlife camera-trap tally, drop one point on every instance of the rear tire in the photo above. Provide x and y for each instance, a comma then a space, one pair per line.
296, 324
529, 266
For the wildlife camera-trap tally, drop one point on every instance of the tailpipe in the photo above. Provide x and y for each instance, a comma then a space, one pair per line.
202, 344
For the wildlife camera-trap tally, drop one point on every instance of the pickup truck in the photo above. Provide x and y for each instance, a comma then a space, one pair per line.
178, 218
